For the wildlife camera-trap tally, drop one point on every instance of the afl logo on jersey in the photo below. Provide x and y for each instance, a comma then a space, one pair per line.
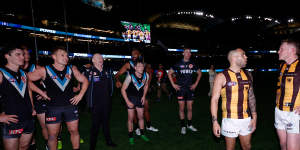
181, 66
68, 76
54, 77
231, 83
289, 80
191, 66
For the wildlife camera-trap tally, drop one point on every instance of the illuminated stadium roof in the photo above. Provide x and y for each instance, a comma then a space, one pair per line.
217, 25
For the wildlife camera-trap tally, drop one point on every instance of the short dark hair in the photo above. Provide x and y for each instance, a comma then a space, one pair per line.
7, 49
292, 42
135, 49
138, 61
57, 48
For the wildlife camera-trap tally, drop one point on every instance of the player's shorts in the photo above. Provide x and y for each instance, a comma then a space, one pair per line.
288, 121
15, 130
61, 113
185, 94
40, 107
235, 127
136, 101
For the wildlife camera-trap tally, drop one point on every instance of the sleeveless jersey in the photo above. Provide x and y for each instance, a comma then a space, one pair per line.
288, 87
235, 94
16, 100
59, 85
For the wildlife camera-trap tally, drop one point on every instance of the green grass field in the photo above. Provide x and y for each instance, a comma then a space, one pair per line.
164, 115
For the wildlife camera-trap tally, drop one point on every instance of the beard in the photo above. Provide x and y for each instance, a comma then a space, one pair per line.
242, 64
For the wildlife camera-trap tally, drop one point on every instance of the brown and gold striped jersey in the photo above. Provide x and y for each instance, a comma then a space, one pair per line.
235, 94
288, 87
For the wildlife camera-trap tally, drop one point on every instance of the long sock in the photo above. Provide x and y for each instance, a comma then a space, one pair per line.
189, 122
130, 134
182, 123
142, 131
148, 124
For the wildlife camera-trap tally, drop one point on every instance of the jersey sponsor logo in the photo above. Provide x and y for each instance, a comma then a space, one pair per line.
288, 104
17, 131
51, 119
245, 82
62, 84
186, 71
231, 83
20, 87
290, 74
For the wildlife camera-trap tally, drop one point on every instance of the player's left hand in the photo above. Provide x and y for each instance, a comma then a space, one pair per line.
193, 87
75, 100
252, 125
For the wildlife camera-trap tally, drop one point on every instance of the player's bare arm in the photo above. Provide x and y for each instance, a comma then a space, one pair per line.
84, 85
120, 72
199, 74
175, 86
123, 90
218, 84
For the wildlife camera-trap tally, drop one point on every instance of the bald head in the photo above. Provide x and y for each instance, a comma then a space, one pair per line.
97, 59
233, 53
237, 57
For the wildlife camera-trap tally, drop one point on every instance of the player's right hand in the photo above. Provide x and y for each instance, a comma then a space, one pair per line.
216, 129
176, 87
130, 105
118, 84
8, 118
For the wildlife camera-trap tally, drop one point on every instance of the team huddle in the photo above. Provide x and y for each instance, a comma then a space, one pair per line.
50, 93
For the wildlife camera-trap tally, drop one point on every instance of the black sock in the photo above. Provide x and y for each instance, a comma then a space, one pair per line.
182, 123
148, 124
189, 122
142, 131
130, 134
135, 126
